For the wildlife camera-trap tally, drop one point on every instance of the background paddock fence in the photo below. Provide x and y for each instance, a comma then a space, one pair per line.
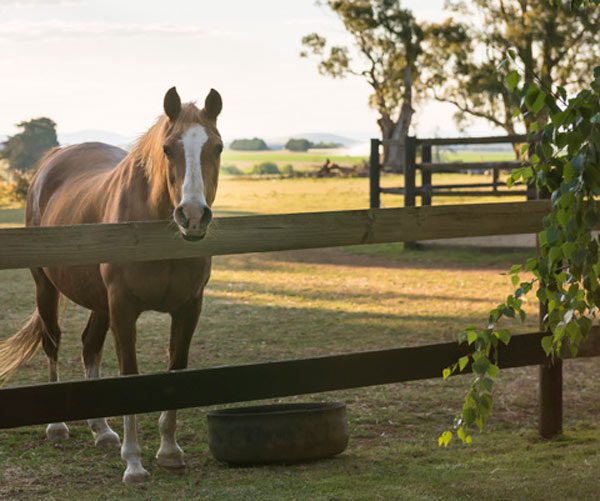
86, 244
426, 167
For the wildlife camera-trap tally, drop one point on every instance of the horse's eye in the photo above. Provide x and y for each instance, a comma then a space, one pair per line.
219, 149
167, 151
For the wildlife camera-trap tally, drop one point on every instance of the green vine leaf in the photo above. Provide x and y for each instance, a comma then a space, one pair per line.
564, 162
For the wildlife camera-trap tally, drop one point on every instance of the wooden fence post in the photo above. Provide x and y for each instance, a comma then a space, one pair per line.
410, 189
426, 192
374, 175
551, 402
410, 159
551, 383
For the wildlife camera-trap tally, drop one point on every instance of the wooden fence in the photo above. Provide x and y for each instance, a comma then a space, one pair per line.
427, 189
85, 244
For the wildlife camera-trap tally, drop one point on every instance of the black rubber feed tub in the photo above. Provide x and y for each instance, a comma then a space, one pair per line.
282, 433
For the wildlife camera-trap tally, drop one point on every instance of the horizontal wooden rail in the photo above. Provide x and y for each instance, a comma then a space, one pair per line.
438, 190
454, 166
443, 141
148, 241
449, 141
461, 185
55, 402
480, 193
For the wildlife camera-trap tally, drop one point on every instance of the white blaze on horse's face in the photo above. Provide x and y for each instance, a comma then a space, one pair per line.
193, 140
193, 213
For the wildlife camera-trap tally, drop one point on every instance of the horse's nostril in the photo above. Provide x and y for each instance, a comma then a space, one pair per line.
181, 217
206, 216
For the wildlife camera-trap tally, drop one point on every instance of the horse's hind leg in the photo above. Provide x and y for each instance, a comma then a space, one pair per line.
47, 304
93, 338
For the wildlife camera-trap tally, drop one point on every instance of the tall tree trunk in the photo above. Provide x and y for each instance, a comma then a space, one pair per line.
397, 131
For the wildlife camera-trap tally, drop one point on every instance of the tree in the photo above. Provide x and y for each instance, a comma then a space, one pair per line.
298, 145
24, 150
553, 47
387, 47
254, 144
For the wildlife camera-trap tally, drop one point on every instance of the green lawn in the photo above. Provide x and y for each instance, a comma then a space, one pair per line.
295, 304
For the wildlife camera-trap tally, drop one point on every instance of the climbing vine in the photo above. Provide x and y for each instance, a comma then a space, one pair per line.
564, 164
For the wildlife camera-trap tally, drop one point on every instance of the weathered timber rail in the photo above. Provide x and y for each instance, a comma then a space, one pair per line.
427, 190
148, 241
56, 402
86, 244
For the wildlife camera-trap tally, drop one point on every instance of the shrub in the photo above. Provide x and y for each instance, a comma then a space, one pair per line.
288, 170
323, 145
266, 168
15, 189
231, 170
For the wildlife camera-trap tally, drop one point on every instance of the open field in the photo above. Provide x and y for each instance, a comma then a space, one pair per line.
294, 304
309, 160
268, 196
313, 159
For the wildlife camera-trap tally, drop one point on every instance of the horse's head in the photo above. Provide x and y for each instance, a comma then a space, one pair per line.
193, 148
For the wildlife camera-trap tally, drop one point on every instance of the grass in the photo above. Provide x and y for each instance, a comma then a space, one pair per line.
252, 195
313, 159
299, 160
294, 304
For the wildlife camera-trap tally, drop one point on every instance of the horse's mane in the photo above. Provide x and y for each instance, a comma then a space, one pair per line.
148, 149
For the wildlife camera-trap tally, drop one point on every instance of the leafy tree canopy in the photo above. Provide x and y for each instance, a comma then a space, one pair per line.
386, 52
557, 47
300, 144
24, 150
254, 144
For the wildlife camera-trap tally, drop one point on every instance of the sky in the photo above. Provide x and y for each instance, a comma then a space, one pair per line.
106, 65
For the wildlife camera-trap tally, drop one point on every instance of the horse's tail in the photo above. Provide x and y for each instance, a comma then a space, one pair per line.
21, 346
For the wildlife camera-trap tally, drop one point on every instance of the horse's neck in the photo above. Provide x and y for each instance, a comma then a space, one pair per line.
140, 198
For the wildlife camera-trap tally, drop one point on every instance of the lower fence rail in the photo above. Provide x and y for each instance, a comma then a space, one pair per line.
55, 402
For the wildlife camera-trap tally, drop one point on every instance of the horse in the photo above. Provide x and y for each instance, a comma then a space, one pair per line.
171, 172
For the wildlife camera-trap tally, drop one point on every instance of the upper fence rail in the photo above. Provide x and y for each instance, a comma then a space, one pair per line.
149, 241
449, 141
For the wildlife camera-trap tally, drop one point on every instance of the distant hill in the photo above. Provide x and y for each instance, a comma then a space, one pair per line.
102, 136
324, 137
313, 137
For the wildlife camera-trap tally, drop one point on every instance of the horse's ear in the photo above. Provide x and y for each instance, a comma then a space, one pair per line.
172, 104
213, 104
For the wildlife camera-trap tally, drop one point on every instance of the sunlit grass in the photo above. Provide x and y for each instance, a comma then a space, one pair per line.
275, 306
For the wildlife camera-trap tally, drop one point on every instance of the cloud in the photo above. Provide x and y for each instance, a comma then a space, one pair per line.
55, 29
34, 3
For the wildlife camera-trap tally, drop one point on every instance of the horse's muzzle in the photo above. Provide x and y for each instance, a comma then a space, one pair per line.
193, 238
193, 220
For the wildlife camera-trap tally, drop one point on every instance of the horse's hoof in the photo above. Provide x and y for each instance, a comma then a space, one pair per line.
172, 461
55, 432
108, 440
135, 475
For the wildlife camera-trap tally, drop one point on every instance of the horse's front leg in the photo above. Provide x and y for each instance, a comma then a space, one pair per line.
123, 317
183, 324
